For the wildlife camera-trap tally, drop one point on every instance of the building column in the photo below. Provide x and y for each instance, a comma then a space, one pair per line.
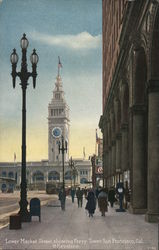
124, 149
61, 176
109, 154
78, 178
110, 165
118, 154
153, 152
46, 176
139, 168
31, 177
118, 157
106, 168
18, 177
105, 155
113, 159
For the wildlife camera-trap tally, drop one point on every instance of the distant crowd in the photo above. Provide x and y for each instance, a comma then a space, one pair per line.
99, 197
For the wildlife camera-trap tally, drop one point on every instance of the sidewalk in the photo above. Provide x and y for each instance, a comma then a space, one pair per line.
73, 229
9, 203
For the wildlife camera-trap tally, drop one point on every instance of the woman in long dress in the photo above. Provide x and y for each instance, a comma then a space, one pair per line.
91, 203
103, 202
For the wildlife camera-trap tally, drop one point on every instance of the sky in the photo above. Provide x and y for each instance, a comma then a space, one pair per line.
71, 29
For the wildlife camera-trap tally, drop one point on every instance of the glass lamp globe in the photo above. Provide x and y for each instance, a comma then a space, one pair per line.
24, 42
14, 57
34, 57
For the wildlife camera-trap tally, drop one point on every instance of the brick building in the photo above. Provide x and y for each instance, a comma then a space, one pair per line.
130, 119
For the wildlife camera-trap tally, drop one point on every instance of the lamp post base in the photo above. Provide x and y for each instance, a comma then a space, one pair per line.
120, 210
25, 216
24, 213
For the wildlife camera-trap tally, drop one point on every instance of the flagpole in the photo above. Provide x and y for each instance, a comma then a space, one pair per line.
58, 68
96, 142
84, 154
14, 158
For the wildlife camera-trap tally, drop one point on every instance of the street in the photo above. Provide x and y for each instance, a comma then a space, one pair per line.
73, 229
9, 203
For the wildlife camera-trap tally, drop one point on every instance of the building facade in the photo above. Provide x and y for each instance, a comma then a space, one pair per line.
130, 119
39, 173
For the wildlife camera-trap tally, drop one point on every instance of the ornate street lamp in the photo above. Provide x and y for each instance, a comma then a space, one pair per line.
63, 148
24, 76
71, 164
74, 171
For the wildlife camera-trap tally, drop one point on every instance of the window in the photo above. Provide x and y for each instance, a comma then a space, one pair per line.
60, 111
4, 174
53, 175
57, 96
55, 112
38, 176
83, 180
10, 174
68, 175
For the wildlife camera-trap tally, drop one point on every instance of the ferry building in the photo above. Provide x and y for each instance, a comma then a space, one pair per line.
40, 172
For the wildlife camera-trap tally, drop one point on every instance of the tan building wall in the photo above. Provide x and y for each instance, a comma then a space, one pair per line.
130, 118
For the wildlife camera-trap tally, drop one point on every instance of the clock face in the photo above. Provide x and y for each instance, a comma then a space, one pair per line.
56, 132
120, 190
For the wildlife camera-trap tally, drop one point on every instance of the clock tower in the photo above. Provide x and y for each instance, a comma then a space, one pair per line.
58, 122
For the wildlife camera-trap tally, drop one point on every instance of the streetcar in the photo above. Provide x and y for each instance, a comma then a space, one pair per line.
53, 187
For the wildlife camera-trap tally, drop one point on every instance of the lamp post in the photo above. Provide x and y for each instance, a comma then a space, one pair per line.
63, 148
71, 163
75, 173
24, 76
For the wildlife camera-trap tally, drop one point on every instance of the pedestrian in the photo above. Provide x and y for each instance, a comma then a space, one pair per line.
111, 196
103, 202
85, 192
72, 194
98, 190
126, 195
79, 195
62, 198
91, 203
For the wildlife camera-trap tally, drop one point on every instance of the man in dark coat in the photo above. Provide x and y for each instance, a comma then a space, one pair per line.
62, 198
91, 203
79, 195
111, 196
72, 194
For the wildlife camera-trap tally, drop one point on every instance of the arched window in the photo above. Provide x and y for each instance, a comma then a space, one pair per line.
38, 176
68, 175
53, 175
83, 180
4, 174
4, 187
11, 175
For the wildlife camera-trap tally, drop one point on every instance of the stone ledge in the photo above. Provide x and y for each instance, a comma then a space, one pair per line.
137, 210
154, 218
